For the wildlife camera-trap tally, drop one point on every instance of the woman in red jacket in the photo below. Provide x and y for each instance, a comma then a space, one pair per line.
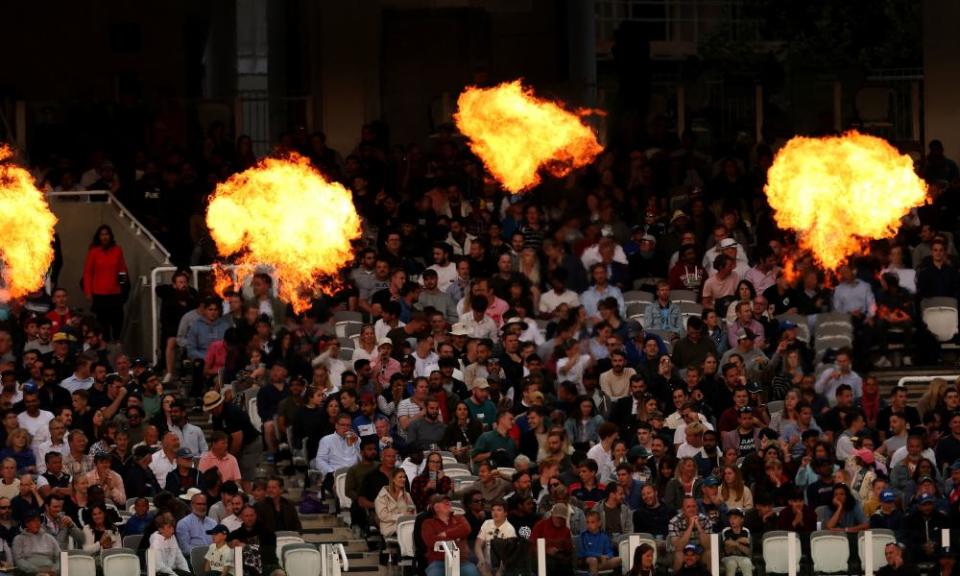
104, 274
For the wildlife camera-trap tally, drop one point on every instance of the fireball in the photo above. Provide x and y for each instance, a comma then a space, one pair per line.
517, 135
838, 193
284, 214
26, 245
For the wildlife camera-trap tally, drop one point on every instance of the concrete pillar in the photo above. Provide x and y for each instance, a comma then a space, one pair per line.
941, 51
348, 51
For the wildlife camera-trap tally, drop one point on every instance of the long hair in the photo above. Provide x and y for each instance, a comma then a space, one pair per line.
638, 555
737, 487
96, 237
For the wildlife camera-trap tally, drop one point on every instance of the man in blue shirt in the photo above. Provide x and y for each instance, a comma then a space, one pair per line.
206, 330
192, 528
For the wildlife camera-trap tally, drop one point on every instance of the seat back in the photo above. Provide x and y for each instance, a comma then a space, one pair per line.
253, 414
340, 487
506, 472
456, 472
301, 560
942, 321
830, 551
775, 554
405, 536
120, 562
197, 555
284, 541
81, 564
680, 296
132, 541
630, 544
881, 537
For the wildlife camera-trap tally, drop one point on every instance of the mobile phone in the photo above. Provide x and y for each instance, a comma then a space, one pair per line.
433, 476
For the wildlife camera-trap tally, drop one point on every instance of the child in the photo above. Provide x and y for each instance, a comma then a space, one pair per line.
736, 545
170, 560
596, 551
218, 561
495, 528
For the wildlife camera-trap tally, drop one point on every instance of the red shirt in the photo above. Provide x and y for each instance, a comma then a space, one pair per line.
457, 529
58, 321
101, 270
558, 537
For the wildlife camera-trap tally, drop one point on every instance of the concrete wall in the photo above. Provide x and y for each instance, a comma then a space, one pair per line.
941, 84
77, 223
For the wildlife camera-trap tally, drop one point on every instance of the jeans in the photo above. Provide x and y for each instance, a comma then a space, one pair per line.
435, 568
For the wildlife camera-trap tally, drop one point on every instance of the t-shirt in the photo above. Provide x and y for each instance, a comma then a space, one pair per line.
716, 288
231, 420
34, 424
219, 558
489, 530
747, 443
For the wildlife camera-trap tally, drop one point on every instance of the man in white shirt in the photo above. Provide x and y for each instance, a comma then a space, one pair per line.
81, 378
232, 521
557, 295
425, 359
446, 270
33, 419
165, 460
476, 321
690, 415
55, 442
601, 452
341, 449
693, 440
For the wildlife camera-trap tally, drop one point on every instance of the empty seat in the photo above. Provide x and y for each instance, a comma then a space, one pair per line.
286, 540
830, 552
345, 315
120, 562
339, 488
638, 296
301, 560
941, 320
405, 526
132, 541
81, 563
775, 552
679, 296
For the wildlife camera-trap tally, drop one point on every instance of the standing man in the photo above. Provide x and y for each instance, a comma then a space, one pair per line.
244, 440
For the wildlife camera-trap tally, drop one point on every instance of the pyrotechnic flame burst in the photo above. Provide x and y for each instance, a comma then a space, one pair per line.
26, 245
838, 193
517, 134
284, 214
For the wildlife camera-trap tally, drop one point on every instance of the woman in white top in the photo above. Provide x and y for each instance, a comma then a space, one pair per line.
734, 492
170, 559
495, 528
392, 502
365, 345
98, 535
907, 276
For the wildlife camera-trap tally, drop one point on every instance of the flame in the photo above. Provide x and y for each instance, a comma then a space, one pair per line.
26, 245
284, 214
517, 134
838, 193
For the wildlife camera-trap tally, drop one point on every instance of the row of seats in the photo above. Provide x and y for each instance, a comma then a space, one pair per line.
297, 558
829, 551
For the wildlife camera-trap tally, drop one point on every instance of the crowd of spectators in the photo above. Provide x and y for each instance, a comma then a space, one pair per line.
497, 329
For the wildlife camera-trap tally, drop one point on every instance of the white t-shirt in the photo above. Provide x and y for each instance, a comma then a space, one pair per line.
550, 300
604, 462
35, 424
219, 557
489, 530
445, 276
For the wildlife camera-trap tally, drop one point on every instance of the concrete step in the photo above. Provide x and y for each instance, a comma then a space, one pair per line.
352, 546
319, 521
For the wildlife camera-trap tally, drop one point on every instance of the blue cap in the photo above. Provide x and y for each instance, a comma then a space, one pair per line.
924, 498
888, 496
30, 388
695, 548
711, 481
787, 325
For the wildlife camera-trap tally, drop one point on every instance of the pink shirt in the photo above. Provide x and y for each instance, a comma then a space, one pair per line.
229, 469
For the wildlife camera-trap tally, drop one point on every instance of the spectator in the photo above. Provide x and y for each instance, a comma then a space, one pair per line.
688, 527
496, 528
243, 439
99, 534
663, 314
431, 481
337, 450
276, 511
140, 480
736, 543
185, 476
192, 529
392, 502
105, 281
595, 550
843, 513
111, 482
169, 557
896, 566
444, 525
34, 550
558, 540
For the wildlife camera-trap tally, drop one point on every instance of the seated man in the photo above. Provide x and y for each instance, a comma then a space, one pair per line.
340, 449
34, 550
445, 526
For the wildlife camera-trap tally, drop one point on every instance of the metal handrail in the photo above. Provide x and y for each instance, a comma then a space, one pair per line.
139, 229
451, 556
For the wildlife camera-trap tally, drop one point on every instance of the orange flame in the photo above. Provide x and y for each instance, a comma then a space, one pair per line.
517, 134
26, 245
838, 193
284, 214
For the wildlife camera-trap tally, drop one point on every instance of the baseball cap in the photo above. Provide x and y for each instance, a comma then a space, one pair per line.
60, 337
745, 334
711, 481
754, 387
637, 452
184, 453
218, 529
30, 388
367, 397
649, 238
925, 479
888, 496
560, 510
479, 383
745, 410
678, 214
692, 549
737, 511
955, 465
787, 325
384, 342
925, 498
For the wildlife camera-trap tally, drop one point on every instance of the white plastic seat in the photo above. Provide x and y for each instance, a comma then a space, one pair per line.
132, 541
775, 552
942, 321
339, 488
830, 552
456, 472
629, 545
881, 537
405, 526
253, 414
81, 563
120, 562
301, 560
284, 541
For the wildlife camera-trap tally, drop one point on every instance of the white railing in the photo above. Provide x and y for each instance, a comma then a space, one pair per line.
925, 379
451, 557
333, 560
135, 225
